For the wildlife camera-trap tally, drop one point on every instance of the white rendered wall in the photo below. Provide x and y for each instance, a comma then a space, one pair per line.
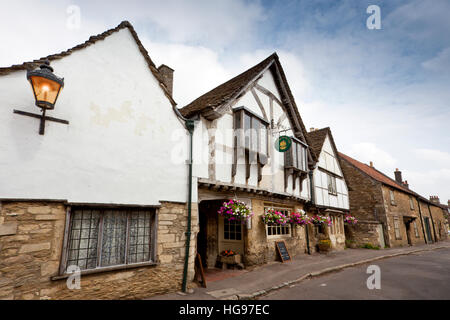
124, 143
328, 161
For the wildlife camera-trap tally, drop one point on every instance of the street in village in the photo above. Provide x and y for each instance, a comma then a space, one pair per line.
423, 275
418, 272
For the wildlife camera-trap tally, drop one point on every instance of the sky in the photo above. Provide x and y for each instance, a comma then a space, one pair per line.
383, 92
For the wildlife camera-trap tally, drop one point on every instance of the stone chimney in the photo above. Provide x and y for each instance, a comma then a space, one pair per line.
167, 77
398, 176
405, 184
434, 199
448, 202
371, 164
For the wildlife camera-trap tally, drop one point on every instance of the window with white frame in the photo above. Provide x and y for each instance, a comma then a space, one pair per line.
279, 231
99, 238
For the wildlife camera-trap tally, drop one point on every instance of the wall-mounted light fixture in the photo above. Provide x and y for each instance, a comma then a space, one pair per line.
46, 88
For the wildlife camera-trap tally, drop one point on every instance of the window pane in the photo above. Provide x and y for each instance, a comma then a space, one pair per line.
139, 237
247, 132
299, 156
254, 134
82, 246
294, 154
114, 238
263, 139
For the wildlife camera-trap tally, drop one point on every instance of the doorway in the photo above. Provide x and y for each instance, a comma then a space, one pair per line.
408, 231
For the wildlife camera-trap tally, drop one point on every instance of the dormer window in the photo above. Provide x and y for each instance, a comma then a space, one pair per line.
251, 137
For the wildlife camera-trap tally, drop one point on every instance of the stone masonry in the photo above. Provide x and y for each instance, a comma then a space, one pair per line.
31, 241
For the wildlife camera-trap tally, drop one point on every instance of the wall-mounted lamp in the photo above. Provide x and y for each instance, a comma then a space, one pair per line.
46, 88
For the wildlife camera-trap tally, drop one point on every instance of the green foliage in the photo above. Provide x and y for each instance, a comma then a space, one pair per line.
370, 246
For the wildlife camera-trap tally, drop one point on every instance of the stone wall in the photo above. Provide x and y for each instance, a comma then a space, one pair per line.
260, 248
364, 233
440, 223
31, 241
402, 209
367, 205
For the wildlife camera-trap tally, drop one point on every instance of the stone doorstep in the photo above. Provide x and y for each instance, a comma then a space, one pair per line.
252, 296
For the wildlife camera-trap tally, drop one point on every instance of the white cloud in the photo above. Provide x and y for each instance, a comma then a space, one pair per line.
439, 63
366, 152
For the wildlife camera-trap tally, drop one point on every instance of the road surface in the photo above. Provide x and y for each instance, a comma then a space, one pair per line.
424, 275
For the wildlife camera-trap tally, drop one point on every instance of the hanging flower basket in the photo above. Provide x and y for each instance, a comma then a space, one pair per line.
235, 210
274, 218
299, 218
350, 220
318, 219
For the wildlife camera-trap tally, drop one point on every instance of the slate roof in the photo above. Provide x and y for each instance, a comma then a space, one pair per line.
232, 89
93, 39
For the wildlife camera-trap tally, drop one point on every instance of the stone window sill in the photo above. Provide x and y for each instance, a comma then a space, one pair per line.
107, 269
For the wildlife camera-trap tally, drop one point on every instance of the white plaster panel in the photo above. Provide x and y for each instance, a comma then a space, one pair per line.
124, 143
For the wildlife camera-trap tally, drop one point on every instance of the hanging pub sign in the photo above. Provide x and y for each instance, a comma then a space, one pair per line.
283, 143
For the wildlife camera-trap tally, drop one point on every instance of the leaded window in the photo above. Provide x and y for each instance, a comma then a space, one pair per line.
331, 184
100, 238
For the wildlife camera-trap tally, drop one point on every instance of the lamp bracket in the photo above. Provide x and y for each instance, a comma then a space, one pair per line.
42, 117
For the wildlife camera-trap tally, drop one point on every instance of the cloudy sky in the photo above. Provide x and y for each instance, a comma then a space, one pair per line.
384, 93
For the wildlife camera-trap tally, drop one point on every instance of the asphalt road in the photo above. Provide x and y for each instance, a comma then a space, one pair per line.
424, 275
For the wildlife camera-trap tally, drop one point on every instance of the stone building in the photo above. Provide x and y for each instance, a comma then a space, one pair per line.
389, 213
330, 190
103, 192
237, 125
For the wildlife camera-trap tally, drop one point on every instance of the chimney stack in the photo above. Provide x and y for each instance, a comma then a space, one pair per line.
398, 176
434, 199
167, 77
405, 183
448, 202
371, 164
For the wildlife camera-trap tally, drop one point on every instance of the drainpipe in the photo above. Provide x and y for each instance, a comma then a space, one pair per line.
189, 124
421, 221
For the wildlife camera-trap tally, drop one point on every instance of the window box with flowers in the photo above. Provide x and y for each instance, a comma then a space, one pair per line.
235, 210
324, 245
230, 257
277, 222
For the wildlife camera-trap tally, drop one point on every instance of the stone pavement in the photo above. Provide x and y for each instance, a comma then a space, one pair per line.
257, 281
